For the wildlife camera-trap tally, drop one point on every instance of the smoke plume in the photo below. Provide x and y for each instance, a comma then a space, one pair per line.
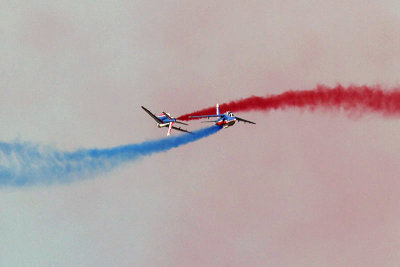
23, 164
356, 100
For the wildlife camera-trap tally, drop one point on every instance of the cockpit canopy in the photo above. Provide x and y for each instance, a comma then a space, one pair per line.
230, 114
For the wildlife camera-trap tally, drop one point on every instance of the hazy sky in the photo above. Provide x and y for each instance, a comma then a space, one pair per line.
297, 189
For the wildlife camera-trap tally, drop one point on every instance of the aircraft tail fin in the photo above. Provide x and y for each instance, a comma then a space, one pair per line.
217, 109
170, 128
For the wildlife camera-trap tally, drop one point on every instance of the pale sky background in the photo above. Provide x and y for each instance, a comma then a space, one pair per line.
297, 189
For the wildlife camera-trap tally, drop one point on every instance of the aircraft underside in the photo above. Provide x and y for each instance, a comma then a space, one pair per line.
225, 124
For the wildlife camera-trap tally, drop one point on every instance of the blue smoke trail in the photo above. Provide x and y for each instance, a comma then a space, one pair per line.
24, 164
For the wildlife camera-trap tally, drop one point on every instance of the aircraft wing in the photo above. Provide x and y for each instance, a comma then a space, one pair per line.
180, 129
152, 115
240, 119
176, 121
206, 116
209, 121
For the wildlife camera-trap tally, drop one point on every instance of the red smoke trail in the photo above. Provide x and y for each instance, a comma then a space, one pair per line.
353, 99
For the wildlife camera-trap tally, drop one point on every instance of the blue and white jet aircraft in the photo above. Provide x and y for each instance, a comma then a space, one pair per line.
224, 120
165, 120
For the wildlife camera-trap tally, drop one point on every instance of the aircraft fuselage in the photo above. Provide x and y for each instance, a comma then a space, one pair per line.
225, 123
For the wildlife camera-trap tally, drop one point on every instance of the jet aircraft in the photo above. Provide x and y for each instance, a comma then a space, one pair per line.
165, 120
224, 120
